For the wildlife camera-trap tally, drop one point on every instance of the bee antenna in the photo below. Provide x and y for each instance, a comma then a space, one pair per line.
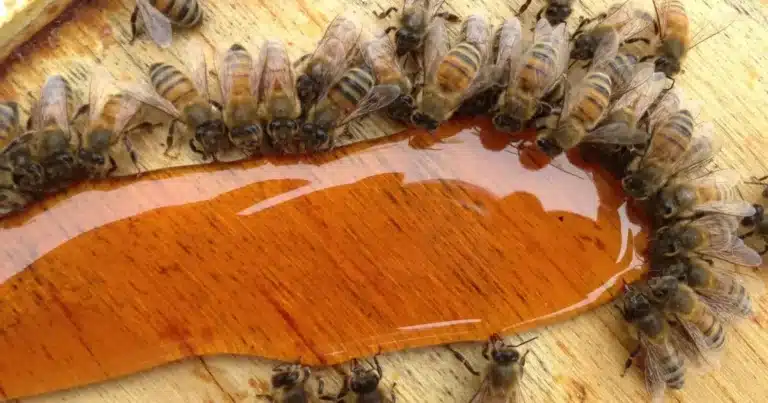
524, 342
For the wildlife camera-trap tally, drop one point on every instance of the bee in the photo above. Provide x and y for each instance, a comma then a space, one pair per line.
714, 192
455, 77
504, 374
417, 17
108, 116
621, 23
555, 11
10, 122
717, 286
11, 198
352, 96
711, 235
508, 48
239, 91
279, 104
673, 150
328, 60
379, 53
364, 383
537, 75
675, 35
757, 225
289, 384
186, 100
43, 159
586, 106
682, 304
158, 16
664, 362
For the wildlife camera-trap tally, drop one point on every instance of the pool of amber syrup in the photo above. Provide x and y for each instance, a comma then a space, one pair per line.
399, 242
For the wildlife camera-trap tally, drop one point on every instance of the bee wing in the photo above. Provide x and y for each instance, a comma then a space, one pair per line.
704, 145
276, 73
157, 25
144, 93
668, 105
436, 46
649, 92
728, 273
198, 67
98, 91
612, 133
725, 181
377, 98
53, 105
510, 43
709, 355
605, 51
654, 375
434, 6
561, 44
339, 38
661, 15
723, 242
380, 50
128, 108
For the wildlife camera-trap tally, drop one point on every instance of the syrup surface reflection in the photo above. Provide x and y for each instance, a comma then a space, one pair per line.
380, 244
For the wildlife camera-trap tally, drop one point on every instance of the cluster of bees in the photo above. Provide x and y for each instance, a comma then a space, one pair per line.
607, 87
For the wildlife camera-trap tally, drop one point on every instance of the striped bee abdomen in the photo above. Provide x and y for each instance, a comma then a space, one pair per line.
539, 65
351, 88
597, 96
458, 68
173, 85
240, 64
672, 138
184, 13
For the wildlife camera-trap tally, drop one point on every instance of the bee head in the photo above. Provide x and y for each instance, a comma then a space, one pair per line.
285, 379
662, 288
425, 121
507, 123
668, 65
29, 177
209, 134
90, 159
548, 146
363, 381
505, 355
314, 137
557, 12
282, 132
401, 109
306, 88
405, 41
676, 267
754, 219
247, 138
640, 184
667, 242
669, 207
584, 47
636, 305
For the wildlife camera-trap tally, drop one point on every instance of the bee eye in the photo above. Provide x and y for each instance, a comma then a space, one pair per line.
291, 124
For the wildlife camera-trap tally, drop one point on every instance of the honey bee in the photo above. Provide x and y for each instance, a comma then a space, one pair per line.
158, 16
586, 106
364, 383
10, 124
379, 54
711, 235
664, 362
455, 77
43, 159
620, 23
673, 150
555, 11
289, 384
508, 48
504, 374
328, 60
717, 286
757, 225
186, 100
11, 198
714, 192
239, 91
352, 96
279, 104
108, 116
675, 35
537, 75
682, 304
417, 17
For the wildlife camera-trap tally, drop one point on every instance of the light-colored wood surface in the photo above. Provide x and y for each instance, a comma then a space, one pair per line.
20, 20
580, 360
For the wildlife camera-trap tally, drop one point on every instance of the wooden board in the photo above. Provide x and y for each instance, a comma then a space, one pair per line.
579, 360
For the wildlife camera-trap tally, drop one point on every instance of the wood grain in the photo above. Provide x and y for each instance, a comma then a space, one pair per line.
22, 19
575, 361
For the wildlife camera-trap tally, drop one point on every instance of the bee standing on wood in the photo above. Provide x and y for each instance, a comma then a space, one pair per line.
239, 92
187, 101
710, 236
757, 225
379, 55
622, 23
275, 86
454, 77
675, 35
555, 11
537, 75
43, 159
289, 384
329, 59
508, 48
504, 373
712, 192
108, 115
664, 362
11, 199
417, 17
158, 16
364, 383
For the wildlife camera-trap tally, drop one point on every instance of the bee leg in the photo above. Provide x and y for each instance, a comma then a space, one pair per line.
450, 17
524, 7
640, 39
266, 397
169, 138
134, 23
112, 166
646, 58
390, 29
216, 105
378, 365
393, 396
196, 150
29, 123
385, 13
83, 109
134, 156
459, 356
538, 15
631, 360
